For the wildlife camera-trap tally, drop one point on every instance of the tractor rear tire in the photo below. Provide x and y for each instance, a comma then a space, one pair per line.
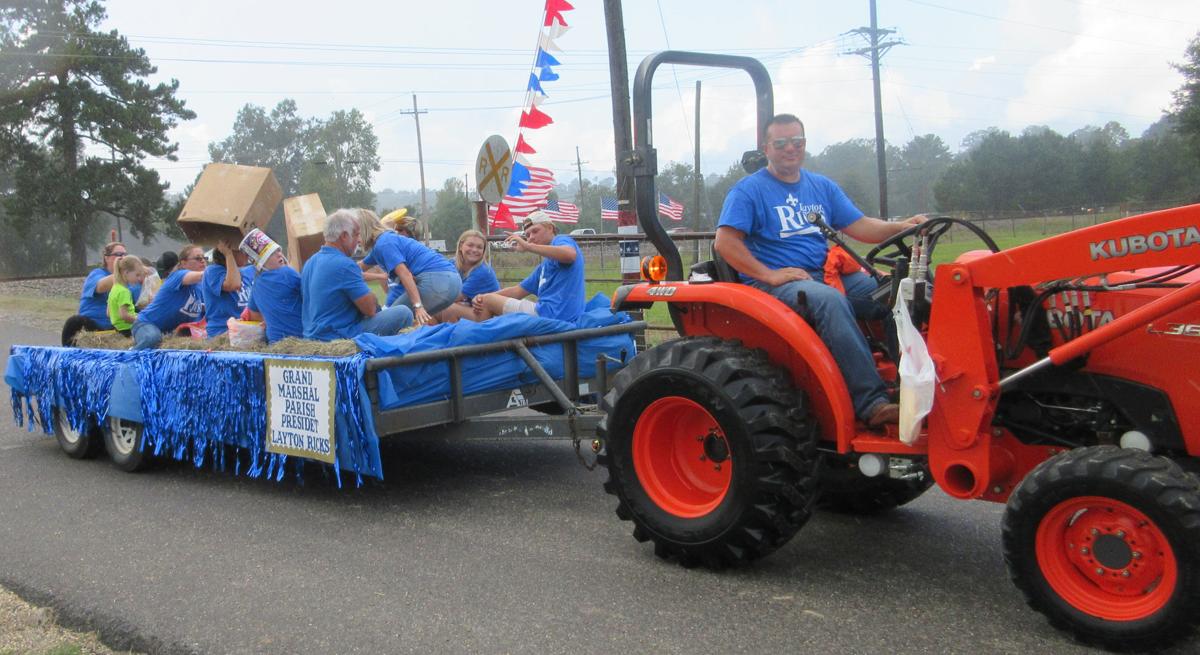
710, 452
843, 489
123, 439
1105, 542
76, 444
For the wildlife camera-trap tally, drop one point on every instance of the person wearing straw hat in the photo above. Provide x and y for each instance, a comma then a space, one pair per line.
557, 281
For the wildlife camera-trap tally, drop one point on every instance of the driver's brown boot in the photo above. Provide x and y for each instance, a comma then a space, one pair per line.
884, 414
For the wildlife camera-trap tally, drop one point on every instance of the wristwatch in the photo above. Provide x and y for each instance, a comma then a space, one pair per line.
417, 305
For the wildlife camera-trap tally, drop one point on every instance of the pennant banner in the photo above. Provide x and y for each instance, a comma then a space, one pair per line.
530, 185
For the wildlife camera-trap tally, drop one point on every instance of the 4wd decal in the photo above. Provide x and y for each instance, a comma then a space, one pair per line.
661, 291
1136, 244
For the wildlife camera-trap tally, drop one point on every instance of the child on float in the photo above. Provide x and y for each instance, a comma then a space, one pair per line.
128, 273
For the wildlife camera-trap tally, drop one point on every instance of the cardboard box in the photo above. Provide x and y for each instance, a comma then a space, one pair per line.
305, 220
228, 201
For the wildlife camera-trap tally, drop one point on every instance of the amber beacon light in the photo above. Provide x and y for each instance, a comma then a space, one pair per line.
654, 269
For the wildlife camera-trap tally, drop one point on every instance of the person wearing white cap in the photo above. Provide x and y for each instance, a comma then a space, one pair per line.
557, 281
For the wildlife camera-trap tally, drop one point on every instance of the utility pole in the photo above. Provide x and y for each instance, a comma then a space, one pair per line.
876, 49
420, 157
579, 169
618, 73
697, 181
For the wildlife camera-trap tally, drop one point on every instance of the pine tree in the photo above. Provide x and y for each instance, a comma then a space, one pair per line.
78, 120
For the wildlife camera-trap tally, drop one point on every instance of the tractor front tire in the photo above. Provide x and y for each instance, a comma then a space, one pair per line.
77, 444
847, 491
710, 452
1105, 542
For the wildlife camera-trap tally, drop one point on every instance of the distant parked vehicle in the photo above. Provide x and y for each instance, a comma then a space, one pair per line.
582, 230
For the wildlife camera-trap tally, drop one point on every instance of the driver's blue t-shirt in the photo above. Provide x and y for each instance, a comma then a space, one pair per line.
559, 287
95, 305
776, 218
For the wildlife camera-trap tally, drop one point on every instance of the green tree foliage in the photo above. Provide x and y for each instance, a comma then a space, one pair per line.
78, 121
453, 212
919, 165
343, 153
1187, 97
853, 166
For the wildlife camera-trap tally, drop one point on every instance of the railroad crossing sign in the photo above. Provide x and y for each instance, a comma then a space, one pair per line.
493, 169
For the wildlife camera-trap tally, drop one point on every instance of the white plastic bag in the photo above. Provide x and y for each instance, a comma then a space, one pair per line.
917, 375
243, 334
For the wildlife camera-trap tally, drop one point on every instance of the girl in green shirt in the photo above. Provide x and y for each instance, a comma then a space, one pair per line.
127, 272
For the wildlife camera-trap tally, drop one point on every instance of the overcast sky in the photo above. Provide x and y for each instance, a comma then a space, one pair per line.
964, 67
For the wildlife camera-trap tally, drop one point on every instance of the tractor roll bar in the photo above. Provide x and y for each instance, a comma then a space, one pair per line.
642, 163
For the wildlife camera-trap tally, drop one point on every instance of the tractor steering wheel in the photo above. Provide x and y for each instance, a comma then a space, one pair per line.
887, 253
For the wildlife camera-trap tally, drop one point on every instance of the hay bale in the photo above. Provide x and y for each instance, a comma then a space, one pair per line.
109, 340
102, 340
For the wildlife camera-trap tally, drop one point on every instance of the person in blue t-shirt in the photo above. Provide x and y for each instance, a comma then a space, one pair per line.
557, 281
178, 301
223, 288
276, 300
767, 233
337, 303
470, 257
93, 298
426, 282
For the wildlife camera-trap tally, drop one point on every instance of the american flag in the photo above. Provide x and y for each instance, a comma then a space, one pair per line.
562, 211
669, 207
608, 208
541, 180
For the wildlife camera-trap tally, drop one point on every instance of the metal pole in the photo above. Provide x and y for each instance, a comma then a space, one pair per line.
618, 72
697, 180
416, 114
879, 143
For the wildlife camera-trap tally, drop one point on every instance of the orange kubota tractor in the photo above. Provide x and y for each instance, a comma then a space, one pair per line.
1068, 387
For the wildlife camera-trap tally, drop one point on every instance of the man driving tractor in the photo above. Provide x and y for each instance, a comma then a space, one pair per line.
767, 233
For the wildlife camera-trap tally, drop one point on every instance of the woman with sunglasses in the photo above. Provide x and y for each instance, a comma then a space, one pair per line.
177, 301
93, 299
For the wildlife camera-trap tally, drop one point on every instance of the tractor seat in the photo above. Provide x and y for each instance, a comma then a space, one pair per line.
717, 269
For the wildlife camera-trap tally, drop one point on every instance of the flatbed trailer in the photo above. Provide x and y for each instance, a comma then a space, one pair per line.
196, 405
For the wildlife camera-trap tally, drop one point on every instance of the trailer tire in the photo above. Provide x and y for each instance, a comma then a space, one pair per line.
76, 444
710, 452
846, 491
1105, 542
123, 439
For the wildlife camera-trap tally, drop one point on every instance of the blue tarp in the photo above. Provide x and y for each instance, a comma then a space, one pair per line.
193, 403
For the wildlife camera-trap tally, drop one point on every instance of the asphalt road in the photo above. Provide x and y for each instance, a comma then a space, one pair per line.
478, 547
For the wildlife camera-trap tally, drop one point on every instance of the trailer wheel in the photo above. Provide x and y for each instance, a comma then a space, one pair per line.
75, 443
844, 490
123, 439
710, 452
1106, 543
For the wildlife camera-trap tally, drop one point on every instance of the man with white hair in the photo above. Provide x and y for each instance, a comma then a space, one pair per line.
337, 302
557, 281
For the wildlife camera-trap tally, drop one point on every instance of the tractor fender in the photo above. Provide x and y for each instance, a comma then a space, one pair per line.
758, 320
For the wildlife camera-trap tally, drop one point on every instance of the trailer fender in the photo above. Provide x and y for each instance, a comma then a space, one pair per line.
125, 395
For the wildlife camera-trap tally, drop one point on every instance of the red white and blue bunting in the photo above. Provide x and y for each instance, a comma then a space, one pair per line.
530, 185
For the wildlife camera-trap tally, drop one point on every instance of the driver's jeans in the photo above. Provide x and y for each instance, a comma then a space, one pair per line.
832, 316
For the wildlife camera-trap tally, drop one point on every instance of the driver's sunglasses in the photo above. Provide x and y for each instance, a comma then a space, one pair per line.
116, 254
780, 144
